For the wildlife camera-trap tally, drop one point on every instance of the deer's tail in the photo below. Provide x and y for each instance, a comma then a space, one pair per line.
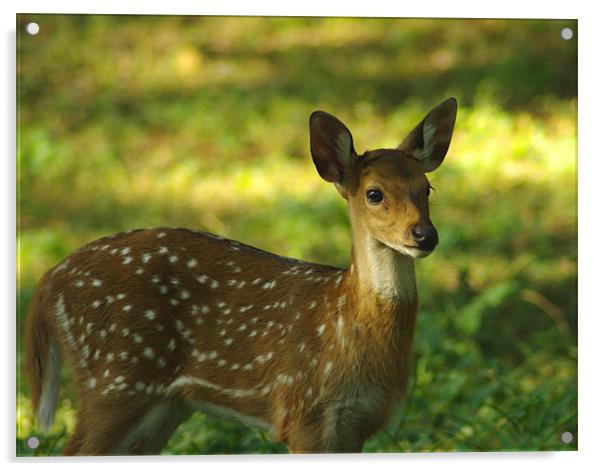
42, 358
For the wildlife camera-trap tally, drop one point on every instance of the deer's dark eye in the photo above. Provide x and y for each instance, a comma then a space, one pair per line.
374, 196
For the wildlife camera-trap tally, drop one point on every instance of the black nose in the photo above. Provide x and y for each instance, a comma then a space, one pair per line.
425, 236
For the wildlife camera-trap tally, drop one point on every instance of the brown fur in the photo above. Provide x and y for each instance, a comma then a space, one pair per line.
155, 323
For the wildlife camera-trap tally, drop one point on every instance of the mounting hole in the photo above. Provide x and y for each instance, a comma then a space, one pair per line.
32, 28
33, 442
566, 34
566, 437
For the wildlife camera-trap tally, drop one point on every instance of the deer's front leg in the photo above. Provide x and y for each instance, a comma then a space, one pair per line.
322, 438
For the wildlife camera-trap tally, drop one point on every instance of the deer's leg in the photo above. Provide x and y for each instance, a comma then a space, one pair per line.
76, 438
105, 427
305, 438
322, 436
125, 428
150, 434
308, 444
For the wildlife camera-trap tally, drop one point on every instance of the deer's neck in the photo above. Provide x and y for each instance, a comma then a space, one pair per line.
381, 272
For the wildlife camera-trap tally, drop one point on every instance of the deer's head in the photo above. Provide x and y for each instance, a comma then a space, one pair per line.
386, 189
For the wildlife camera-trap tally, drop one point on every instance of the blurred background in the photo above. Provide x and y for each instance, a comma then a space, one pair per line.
202, 122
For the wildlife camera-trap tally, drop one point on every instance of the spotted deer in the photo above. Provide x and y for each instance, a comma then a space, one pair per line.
158, 323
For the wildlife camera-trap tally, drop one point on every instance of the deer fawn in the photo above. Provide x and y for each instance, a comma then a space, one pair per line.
158, 323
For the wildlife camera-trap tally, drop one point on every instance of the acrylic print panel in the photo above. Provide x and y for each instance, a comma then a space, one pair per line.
168, 336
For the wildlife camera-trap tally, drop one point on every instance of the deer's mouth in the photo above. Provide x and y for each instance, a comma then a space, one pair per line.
413, 251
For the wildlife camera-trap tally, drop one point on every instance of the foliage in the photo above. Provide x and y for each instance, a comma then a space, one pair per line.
199, 122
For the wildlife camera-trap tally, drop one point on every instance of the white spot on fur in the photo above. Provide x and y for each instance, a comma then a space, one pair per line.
320, 330
150, 314
340, 330
191, 263
269, 285
148, 353
202, 278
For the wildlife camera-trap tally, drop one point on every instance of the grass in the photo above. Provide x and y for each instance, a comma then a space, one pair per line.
129, 122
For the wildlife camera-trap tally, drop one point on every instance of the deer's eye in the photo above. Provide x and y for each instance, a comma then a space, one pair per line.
374, 196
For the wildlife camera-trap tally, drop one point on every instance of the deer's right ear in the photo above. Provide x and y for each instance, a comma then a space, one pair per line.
331, 146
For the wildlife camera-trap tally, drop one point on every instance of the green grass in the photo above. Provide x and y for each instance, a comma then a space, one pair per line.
129, 122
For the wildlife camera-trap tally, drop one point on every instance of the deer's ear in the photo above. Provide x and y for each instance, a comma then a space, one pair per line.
331, 146
429, 141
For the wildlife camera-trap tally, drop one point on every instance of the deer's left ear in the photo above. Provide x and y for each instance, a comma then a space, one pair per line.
429, 141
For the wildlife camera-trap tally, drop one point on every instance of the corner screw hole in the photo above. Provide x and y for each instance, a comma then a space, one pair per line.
33, 442
566, 34
566, 437
32, 28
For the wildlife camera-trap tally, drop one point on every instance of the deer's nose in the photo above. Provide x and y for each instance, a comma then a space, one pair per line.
425, 236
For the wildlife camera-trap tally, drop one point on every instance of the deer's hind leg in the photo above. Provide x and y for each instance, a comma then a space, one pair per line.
151, 432
126, 428
76, 439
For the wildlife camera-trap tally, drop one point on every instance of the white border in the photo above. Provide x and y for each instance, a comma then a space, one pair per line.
436, 8
589, 212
